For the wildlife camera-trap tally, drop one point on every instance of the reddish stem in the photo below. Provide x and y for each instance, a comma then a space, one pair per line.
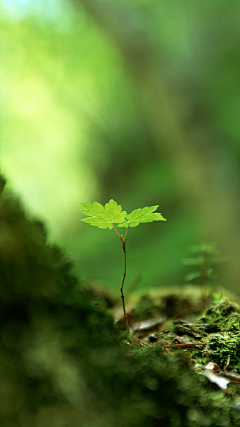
124, 273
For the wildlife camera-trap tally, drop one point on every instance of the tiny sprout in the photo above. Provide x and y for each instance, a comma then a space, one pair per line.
112, 215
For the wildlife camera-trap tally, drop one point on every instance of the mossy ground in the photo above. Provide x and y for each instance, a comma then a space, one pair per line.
65, 363
190, 313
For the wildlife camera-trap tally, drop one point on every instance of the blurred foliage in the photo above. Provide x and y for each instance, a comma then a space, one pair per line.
204, 257
136, 101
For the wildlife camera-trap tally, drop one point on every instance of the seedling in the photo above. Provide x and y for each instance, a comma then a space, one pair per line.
111, 216
205, 256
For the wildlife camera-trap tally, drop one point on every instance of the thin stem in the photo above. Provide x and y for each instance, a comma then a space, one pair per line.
119, 235
123, 240
121, 289
205, 265
126, 233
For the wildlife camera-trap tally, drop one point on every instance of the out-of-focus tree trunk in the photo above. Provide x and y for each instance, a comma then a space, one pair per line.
205, 170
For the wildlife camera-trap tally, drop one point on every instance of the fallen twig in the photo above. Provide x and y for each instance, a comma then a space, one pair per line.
192, 344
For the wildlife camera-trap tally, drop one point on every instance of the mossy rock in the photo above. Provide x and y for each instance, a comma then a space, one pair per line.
63, 362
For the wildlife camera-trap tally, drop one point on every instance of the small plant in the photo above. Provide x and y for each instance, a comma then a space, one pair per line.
112, 215
217, 297
205, 256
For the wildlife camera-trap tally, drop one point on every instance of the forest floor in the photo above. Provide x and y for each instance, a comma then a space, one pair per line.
202, 325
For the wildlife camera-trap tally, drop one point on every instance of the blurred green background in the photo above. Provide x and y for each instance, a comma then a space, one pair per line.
133, 100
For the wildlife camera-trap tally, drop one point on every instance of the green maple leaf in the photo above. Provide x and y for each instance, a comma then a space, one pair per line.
142, 216
103, 217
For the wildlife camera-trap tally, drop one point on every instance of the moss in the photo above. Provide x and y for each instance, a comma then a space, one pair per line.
220, 312
199, 331
221, 348
222, 335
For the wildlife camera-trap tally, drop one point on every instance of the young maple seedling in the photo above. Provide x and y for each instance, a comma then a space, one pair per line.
205, 257
112, 215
